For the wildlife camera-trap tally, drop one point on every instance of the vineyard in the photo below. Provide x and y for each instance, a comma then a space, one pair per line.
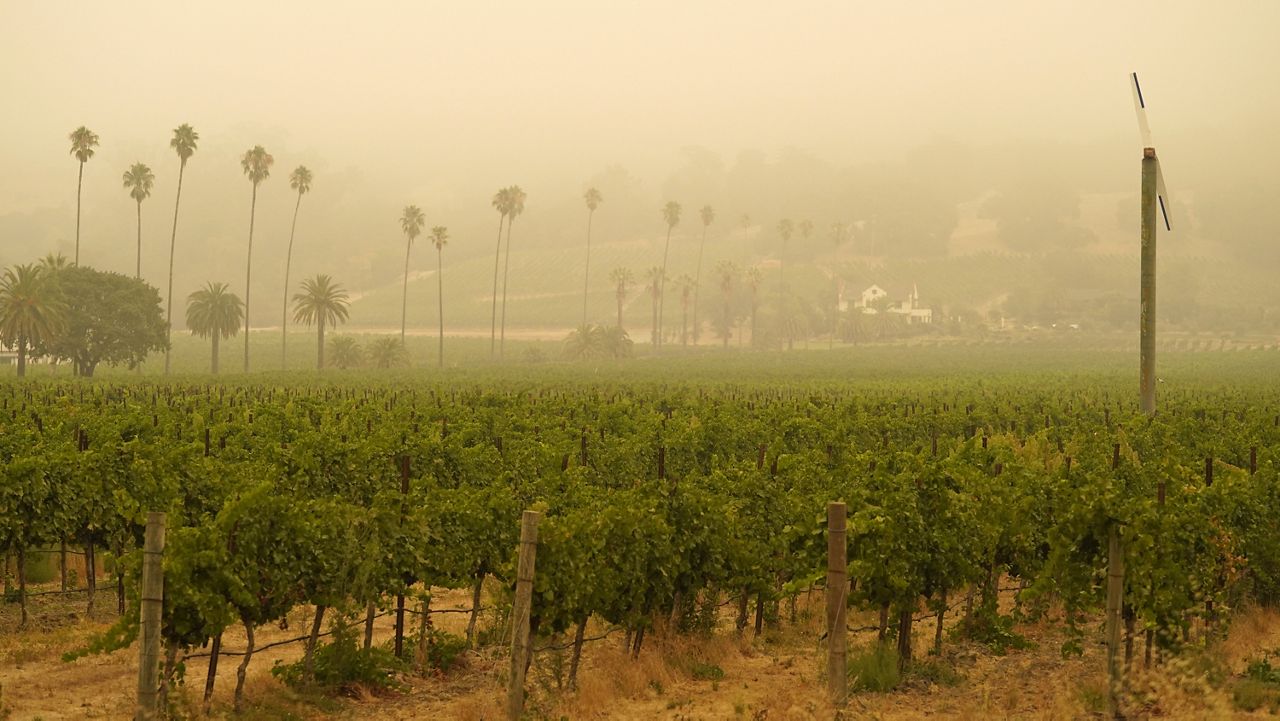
691, 506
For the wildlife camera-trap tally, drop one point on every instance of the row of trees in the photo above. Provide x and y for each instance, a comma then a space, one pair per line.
139, 180
509, 202
87, 317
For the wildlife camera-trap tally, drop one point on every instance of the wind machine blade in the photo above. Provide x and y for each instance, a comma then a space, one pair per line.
1144, 130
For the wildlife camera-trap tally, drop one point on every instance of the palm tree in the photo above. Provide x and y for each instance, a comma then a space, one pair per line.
440, 238
53, 263
411, 222
586, 342
708, 216
593, 199
300, 181
387, 353
728, 273
31, 309
671, 214
785, 228
139, 180
321, 302
214, 311
622, 278
183, 143
256, 164
617, 342
686, 286
344, 351
753, 277
517, 197
653, 278
502, 203
83, 141
839, 233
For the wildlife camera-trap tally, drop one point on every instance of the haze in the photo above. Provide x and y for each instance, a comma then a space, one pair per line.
832, 111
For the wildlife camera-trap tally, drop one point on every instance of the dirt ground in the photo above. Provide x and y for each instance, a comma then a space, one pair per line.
775, 676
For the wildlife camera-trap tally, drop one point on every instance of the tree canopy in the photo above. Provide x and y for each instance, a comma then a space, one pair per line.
109, 318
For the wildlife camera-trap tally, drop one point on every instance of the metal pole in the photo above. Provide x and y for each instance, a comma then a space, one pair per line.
1147, 379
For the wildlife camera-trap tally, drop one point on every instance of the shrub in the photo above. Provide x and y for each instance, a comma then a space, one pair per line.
344, 667
874, 669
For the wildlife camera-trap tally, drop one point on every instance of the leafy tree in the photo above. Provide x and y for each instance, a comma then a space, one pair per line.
344, 351
411, 222
516, 197
110, 318
622, 278
184, 142
300, 181
440, 238
708, 215
31, 309
321, 302
671, 215
728, 273
388, 353
214, 312
256, 164
502, 203
83, 142
139, 180
592, 198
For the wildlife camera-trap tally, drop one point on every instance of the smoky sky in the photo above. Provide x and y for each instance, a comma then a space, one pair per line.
441, 103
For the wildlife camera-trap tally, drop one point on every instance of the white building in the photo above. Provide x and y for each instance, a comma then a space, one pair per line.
911, 308
871, 295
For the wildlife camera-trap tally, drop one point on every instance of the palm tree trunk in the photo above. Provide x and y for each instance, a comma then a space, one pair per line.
248, 271
506, 270
727, 325
620, 297
697, 285
288, 261
173, 242
22, 356
213, 363
79, 189
493, 319
320, 342
654, 340
586, 273
684, 324
662, 284
404, 302
138, 272
440, 301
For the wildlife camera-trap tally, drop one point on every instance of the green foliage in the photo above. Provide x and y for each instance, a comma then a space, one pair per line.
109, 319
343, 667
874, 668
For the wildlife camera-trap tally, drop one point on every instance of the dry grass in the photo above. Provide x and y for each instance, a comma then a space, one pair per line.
778, 676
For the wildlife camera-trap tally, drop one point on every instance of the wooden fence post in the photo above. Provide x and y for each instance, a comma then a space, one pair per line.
520, 611
404, 493
1115, 601
152, 606
837, 601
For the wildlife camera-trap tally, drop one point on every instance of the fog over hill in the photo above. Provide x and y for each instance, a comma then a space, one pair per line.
988, 130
